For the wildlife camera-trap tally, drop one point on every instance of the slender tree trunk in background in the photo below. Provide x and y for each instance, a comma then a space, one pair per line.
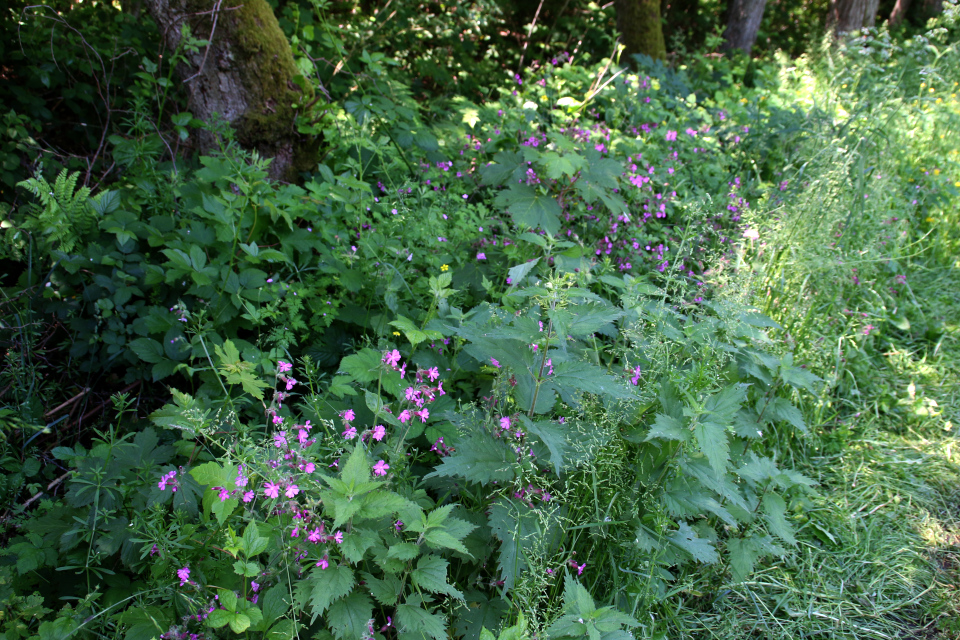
743, 22
639, 23
846, 16
899, 12
870, 13
246, 75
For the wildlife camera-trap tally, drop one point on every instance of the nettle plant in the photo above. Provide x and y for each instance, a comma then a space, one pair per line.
668, 407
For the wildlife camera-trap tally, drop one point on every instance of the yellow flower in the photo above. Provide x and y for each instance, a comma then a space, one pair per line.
931, 220
444, 267
957, 183
936, 172
396, 333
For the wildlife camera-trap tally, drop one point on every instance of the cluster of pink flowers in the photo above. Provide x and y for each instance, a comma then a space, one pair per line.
169, 479
526, 495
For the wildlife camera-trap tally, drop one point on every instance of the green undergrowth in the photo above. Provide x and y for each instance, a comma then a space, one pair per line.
612, 355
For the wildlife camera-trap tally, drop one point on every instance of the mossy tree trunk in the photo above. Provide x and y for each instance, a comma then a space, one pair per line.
638, 21
743, 22
246, 76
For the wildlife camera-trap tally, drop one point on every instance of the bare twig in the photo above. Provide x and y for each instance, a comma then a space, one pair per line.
529, 35
50, 486
67, 403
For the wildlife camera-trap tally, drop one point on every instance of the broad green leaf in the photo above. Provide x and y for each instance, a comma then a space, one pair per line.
775, 513
431, 574
519, 272
362, 366
329, 585
554, 438
419, 623
666, 428
743, 555
713, 443
686, 538
348, 617
357, 469
385, 590
478, 458
530, 208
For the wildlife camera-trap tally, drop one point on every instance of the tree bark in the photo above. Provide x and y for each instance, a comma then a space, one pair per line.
743, 22
638, 21
846, 16
870, 13
245, 75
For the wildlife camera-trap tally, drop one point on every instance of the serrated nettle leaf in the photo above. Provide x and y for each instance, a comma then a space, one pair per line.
348, 617
530, 208
431, 574
778, 409
687, 539
357, 468
384, 590
479, 458
518, 273
775, 513
419, 623
667, 428
576, 598
713, 443
553, 436
363, 366
328, 585
403, 551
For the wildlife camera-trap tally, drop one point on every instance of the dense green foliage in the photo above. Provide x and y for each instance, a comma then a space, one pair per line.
545, 347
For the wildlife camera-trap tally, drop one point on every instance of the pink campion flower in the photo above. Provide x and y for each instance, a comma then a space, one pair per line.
581, 568
379, 432
380, 468
277, 419
348, 415
392, 358
284, 367
184, 575
254, 586
495, 363
403, 370
411, 394
505, 423
338, 537
350, 433
302, 436
481, 256
280, 439
323, 563
290, 383
433, 373
292, 491
671, 136
241, 480
440, 389
295, 533
248, 496
636, 375
314, 536
224, 494
271, 490
423, 414
404, 416
310, 468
